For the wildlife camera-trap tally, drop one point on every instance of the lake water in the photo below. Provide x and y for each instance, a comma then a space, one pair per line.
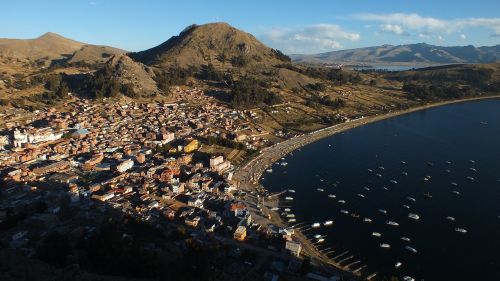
425, 140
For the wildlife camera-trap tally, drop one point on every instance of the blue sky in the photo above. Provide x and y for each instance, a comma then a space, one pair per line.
307, 26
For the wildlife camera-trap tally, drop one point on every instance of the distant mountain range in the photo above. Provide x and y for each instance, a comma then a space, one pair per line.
421, 54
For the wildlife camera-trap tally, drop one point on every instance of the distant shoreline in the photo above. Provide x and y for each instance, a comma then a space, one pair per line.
250, 174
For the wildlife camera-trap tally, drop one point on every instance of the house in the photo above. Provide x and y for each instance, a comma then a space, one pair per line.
294, 247
191, 146
241, 233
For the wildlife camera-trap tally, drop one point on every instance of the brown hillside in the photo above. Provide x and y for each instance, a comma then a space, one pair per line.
92, 54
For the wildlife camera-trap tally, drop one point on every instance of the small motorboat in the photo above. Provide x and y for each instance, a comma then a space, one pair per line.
316, 225
411, 249
328, 223
454, 184
320, 189
398, 265
367, 220
345, 212
455, 192
461, 230
382, 211
332, 196
411, 199
376, 234
413, 216
393, 223
406, 239
385, 246
406, 207
342, 201
450, 218
428, 195
360, 195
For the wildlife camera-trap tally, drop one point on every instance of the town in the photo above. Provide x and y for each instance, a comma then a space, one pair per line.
70, 171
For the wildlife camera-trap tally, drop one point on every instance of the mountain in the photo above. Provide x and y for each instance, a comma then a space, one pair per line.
218, 44
53, 47
411, 53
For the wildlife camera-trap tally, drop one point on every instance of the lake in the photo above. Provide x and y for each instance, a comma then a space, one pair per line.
397, 165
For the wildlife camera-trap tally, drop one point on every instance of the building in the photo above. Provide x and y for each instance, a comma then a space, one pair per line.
191, 146
294, 247
52, 167
4, 140
241, 233
125, 165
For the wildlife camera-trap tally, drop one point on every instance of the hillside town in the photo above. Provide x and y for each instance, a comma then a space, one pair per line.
73, 170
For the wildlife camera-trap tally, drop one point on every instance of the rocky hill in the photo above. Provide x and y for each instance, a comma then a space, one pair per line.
412, 53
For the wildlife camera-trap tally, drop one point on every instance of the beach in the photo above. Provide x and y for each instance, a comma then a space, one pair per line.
249, 175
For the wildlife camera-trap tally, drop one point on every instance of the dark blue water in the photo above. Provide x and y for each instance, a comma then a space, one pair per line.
339, 165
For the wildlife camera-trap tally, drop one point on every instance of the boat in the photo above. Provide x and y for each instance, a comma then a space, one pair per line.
483, 123
289, 198
427, 178
328, 223
370, 170
368, 220
320, 189
292, 220
385, 188
461, 230
344, 212
290, 216
321, 240
472, 161
456, 192
361, 195
393, 181
382, 211
413, 216
403, 162
342, 201
428, 195
406, 207
447, 162
473, 169
404, 173
287, 209
269, 170
385, 246
354, 215
448, 171
378, 175
275, 209
454, 184
398, 265
429, 163
332, 196
411, 249
406, 239
408, 278
411, 199
376, 234
381, 168
284, 164
316, 225
317, 236
291, 190
393, 223
450, 218
366, 188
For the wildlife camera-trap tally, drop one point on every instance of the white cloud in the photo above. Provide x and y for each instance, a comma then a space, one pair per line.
463, 36
392, 28
428, 25
308, 39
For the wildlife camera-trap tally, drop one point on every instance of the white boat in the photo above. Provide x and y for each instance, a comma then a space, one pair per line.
382, 211
385, 188
472, 161
454, 184
321, 240
378, 175
411, 199
406, 239
345, 212
404, 173
317, 236
368, 220
413, 216
342, 201
290, 216
398, 265
332, 196
275, 209
461, 230
289, 198
403, 162
473, 169
269, 170
413, 250
393, 223
320, 189
450, 218
393, 181
381, 168
284, 164
406, 207
316, 225
448, 162
292, 220
328, 223
471, 178
366, 188
408, 278
370, 170
291, 190
361, 195
385, 246
287, 209
376, 234
456, 192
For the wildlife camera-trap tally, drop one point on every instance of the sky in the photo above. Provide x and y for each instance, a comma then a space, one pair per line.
293, 26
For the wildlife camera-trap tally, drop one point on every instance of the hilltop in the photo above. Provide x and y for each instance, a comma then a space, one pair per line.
419, 54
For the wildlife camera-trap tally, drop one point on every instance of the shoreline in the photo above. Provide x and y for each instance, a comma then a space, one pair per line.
250, 173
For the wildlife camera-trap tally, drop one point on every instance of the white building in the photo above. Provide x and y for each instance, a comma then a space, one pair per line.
125, 165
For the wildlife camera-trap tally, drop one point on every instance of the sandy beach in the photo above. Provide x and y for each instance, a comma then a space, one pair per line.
249, 175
